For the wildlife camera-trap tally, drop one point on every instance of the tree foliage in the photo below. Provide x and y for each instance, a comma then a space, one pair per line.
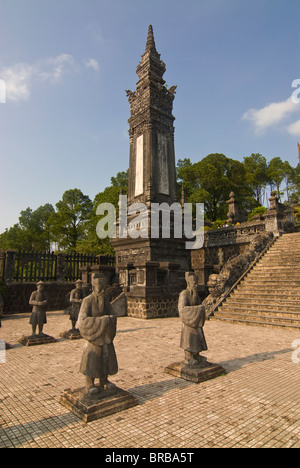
69, 222
71, 225
211, 180
33, 232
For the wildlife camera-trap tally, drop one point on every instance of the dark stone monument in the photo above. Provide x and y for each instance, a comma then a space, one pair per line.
76, 297
151, 268
98, 325
195, 368
38, 319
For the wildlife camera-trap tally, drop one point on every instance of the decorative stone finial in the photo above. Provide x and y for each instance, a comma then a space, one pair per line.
150, 39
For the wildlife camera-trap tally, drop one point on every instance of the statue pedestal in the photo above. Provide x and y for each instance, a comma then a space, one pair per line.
73, 334
195, 374
92, 407
36, 340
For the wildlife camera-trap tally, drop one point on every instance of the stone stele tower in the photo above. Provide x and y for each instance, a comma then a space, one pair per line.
151, 270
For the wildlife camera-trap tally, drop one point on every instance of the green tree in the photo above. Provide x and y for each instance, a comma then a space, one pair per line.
69, 222
211, 180
31, 233
36, 227
13, 238
91, 243
255, 174
275, 173
289, 174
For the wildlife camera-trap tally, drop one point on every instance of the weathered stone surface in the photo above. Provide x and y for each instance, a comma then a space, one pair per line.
152, 307
151, 267
219, 285
119, 305
195, 374
92, 407
73, 334
269, 294
36, 340
18, 294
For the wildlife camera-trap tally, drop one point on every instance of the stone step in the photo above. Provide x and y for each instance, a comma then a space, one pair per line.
284, 269
260, 315
269, 282
261, 276
269, 295
283, 253
290, 300
262, 291
280, 257
289, 272
280, 297
258, 322
275, 267
258, 307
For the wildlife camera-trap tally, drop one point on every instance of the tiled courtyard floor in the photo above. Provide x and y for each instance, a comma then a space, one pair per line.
256, 404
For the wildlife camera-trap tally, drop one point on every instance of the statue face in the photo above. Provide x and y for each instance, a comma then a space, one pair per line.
98, 284
40, 287
192, 282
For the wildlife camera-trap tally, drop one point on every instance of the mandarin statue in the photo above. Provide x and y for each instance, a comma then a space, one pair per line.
76, 297
192, 315
97, 324
39, 301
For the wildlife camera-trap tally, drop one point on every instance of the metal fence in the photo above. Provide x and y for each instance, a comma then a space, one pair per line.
35, 266
43, 266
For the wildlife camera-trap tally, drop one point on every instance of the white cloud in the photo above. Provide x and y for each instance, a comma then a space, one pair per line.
54, 68
294, 128
270, 115
18, 81
20, 77
92, 63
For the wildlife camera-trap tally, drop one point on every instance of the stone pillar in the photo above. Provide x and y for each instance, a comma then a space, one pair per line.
85, 274
9, 272
274, 216
60, 267
233, 210
107, 270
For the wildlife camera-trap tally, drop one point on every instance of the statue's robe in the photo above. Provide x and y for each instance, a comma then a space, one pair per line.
97, 324
192, 315
75, 295
38, 315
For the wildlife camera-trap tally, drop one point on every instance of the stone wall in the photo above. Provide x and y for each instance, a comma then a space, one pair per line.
219, 246
152, 307
16, 297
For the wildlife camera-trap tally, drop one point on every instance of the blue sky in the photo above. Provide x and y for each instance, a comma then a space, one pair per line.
66, 65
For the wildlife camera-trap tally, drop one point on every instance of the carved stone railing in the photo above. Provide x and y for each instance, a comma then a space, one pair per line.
243, 264
238, 234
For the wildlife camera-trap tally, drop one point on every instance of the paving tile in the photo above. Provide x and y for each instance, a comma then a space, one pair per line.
256, 404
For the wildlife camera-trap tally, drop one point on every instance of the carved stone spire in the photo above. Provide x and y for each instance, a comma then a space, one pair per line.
150, 39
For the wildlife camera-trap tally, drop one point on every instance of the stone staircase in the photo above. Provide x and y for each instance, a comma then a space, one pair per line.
269, 295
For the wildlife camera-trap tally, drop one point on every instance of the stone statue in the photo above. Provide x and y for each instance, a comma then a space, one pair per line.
76, 297
192, 315
98, 324
38, 300
1, 308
